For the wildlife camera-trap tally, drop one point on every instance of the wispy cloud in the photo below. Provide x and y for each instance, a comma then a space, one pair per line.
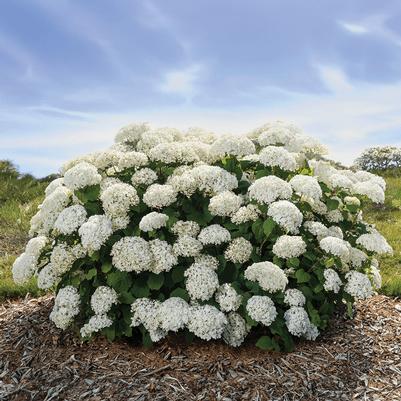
354, 28
334, 78
182, 82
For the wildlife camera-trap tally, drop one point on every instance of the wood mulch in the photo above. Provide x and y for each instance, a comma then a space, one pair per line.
357, 359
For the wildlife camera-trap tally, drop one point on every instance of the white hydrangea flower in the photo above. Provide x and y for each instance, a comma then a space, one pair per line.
63, 257
227, 298
334, 216
376, 276
305, 185
335, 231
70, 219
187, 246
288, 246
131, 254
286, 215
261, 309
335, 246
239, 250
58, 182
268, 275
232, 145
224, 204
340, 181
276, 133
131, 159
95, 324
373, 191
103, 299
332, 281
158, 196
212, 180
201, 282
95, 232
297, 321
208, 260
145, 311
316, 228
245, 214
66, 307
174, 153
82, 175
374, 242
214, 235
131, 133
47, 277
189, 227
364, 176
276, 156
163, 257
357, 257
117, 199
352, 200
36, 245
144, 176
153, 221
294, 297
173, 314
24, 268
268, 189
206, 322
358, 285
183, 182
235, 330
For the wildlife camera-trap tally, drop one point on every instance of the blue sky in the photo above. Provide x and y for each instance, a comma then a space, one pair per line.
73, 72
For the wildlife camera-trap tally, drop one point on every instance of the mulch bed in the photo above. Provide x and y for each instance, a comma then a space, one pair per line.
357, 359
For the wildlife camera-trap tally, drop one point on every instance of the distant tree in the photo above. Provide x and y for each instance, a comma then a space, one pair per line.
379, 158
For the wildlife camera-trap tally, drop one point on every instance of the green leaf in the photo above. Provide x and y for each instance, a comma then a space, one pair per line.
140, 289
177, 274
332, 204
267, 343
180, 293
302, 276
155, 281
91, 273
126, 298
106, 267
293, 262
268, 227
329, 262
110, 333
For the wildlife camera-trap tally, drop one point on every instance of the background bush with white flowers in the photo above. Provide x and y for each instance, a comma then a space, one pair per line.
216, 237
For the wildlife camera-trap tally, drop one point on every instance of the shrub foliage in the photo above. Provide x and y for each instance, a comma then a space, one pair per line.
379, 158
216, 237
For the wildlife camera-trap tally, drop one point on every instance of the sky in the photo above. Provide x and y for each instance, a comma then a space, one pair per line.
73, 72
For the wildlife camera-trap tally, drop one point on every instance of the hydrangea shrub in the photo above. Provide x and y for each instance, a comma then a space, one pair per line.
379, 158
213, 236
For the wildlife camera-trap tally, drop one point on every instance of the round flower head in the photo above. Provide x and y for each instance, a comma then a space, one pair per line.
224, 204
268, 275
213, 179
286, 215
276, 156
190, 228
336, 247
131, 254
66, 307
235, 330
261, 309
187, 246
206, 322
201, 282
70, 219
239, 250
288, 246
214, 235
374, 242
95, 232
102, 299
117, 199
294, 297
245, 214
305, 185
332, 281
173, 314
158, 196
297, 321
82, 175
227, 298
268, 189
153, 221
358, 285
144, 176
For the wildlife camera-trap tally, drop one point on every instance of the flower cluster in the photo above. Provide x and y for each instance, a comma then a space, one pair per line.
214, 236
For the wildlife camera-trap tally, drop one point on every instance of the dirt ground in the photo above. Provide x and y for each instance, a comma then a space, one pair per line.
357, 359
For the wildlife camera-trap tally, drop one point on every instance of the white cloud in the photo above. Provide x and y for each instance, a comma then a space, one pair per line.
354, 28
182, 81
334, 78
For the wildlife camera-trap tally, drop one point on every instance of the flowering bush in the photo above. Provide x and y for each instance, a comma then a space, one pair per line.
172, 231
379, 158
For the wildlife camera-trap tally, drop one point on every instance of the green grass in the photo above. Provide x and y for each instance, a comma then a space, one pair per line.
388, 221
21, 194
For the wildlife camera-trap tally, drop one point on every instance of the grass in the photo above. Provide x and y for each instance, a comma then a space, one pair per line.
388, 221
20, 196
